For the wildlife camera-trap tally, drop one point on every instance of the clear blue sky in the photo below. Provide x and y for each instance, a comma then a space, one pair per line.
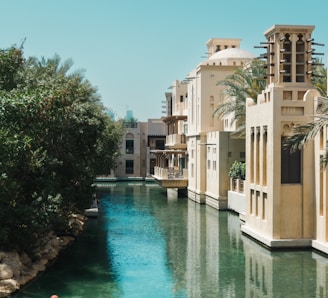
132, 50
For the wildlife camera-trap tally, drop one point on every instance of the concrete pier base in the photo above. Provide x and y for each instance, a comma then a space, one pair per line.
276, 243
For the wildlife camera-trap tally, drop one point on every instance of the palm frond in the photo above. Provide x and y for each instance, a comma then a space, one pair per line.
304, 133
324, 160
319, 81
245, 82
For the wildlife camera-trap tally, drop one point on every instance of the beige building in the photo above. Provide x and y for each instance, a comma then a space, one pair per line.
132, 161
285, 195
171, 163
211, 150
281, 205
135, 160
157, 132
203, 167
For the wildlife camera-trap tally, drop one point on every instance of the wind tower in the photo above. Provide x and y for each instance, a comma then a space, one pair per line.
280, 186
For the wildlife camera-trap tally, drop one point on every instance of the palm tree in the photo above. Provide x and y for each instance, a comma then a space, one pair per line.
319, 80
306, 132
245, 82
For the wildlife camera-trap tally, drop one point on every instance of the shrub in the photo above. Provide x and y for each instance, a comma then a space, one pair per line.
238, 170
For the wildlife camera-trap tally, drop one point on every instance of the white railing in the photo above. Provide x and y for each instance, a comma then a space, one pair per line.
237, 185
170, 173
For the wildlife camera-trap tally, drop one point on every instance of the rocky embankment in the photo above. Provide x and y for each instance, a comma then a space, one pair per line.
16, 270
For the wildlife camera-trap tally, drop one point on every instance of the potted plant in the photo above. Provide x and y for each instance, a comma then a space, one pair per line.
237, 172
234, 171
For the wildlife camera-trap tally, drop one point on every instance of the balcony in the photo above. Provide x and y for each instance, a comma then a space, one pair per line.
237, 197
171, 177
237, 185
177, 141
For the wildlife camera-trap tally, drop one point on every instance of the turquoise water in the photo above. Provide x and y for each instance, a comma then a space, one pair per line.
146, 245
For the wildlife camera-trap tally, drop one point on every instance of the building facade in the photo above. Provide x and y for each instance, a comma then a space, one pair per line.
281, 186
135, 160
157, 132
211, 149
171, 170
132, 161
285, 193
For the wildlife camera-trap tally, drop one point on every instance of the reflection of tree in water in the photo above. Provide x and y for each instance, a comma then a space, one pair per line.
198, 250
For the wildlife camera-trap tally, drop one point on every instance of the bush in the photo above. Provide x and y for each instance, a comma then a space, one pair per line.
238, 170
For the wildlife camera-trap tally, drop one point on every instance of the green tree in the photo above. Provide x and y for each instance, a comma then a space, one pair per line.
245, 82
55, 137
11, 62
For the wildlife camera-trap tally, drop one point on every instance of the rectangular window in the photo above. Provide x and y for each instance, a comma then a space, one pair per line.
185, 128
160, 144
129, 167
129, 146
290, 165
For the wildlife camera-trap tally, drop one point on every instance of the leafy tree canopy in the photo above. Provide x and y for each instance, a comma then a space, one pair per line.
54, 138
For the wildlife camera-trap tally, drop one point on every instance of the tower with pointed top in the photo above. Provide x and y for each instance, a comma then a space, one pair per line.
280, 188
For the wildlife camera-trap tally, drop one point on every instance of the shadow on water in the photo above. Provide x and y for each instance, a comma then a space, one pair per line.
146, 245
81, 270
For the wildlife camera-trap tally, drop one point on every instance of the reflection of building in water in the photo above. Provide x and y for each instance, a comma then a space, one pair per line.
268, 273
194, 247
258, 270
322, 278
233, 226
212, 255
210, 269
173, 225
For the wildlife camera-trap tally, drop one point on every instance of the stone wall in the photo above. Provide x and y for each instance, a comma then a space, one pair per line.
16, 270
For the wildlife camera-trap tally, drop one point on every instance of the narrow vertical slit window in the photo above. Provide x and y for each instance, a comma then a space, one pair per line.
257, 156
300, 59
286, 59
251, 166
321, 194
264, 158
264, 200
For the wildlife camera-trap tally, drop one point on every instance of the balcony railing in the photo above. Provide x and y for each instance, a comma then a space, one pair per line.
237, 185
170, 173
175, 139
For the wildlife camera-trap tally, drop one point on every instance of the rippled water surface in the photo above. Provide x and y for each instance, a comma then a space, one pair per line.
146, 245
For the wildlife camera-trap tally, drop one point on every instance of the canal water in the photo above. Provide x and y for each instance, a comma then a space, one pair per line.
145, 245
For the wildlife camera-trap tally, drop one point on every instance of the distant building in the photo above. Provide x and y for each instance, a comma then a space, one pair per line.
157, 132
135, 159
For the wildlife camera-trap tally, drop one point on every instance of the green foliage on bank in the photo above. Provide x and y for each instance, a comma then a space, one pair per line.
55, 137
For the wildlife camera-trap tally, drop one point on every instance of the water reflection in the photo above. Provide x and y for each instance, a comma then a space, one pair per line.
146, 245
